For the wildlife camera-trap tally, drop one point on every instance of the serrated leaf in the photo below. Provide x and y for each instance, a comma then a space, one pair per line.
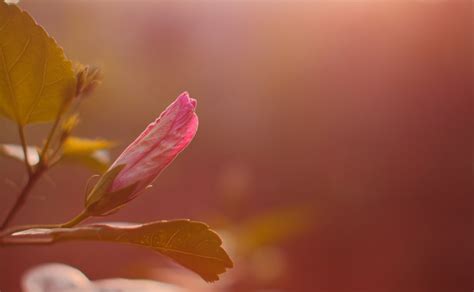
36, 79
89, 152
189, 243
16, 152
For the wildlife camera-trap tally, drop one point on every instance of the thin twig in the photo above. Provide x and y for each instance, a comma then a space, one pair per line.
69, 224
35, 174
50, 136
20, 200
24, 146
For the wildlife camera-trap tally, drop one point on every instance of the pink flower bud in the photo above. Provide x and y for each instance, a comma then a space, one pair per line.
148, 155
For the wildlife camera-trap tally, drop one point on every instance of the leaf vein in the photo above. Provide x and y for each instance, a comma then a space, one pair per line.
5, 23
54, 82
20, 55
40, 91
165, 250
25, 77
170, 240
10, 88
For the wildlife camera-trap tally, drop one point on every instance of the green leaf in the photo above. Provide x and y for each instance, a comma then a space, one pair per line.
36, 80
189, 243
110, 202
89, 152
76, 145
16, 152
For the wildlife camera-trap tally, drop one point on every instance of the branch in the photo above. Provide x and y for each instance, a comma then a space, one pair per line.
35, 174
44, 151
20, 200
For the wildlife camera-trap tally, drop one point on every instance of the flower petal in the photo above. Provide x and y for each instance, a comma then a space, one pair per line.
158, 145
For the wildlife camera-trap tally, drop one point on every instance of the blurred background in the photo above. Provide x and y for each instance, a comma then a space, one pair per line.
334, 151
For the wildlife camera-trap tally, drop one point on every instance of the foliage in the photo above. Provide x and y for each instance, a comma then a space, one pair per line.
190, 243
39, 84
36, 80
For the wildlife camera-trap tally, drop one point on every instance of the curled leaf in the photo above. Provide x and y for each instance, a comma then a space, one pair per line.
36, 79
189, 243
88, 78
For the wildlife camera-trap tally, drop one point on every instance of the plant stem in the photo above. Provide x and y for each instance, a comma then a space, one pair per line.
76, 220
50, 136
20, 200
71, 223
33, 175
24, 146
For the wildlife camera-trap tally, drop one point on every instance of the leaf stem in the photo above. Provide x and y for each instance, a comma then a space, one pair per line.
34, 174
69, 224
50, 136
76, 220
24, 146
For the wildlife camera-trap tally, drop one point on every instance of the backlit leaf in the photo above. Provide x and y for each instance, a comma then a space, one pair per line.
16, 152
36, 79
76, 145
191, 244
89, 152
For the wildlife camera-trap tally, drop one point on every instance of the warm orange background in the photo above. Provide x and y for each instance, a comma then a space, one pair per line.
360, 109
